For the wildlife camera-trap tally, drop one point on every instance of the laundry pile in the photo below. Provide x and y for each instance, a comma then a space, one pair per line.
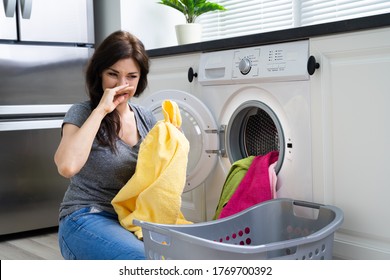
250, 181
153, 193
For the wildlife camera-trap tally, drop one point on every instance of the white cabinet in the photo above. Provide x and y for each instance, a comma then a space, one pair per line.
170, 73
351, 135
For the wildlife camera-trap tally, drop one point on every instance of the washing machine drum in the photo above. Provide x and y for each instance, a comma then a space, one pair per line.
254, 129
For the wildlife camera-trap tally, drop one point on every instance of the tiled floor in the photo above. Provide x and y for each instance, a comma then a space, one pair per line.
37, 245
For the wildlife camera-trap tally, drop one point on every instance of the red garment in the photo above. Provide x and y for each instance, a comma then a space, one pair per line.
254, 188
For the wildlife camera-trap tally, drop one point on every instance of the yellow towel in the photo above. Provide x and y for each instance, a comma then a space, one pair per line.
153, 193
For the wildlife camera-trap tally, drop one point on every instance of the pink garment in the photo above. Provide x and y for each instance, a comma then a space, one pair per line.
254, 188
272, 179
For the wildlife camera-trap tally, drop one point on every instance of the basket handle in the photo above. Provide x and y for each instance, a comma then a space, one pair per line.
306, 209
155, 231
308, 204
335, 224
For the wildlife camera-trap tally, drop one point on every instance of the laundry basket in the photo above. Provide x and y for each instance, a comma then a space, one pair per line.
275, 229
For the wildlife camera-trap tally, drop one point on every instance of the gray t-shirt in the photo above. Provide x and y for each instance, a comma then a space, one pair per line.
105, 172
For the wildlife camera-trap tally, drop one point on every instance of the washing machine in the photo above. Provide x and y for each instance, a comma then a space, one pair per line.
247, 101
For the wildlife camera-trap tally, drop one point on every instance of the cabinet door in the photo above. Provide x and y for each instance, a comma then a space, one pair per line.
171, 72
351, 134
69, 21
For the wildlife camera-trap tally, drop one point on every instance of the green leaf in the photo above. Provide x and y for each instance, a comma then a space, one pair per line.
191, 9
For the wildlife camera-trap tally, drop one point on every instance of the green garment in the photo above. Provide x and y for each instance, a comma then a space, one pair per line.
233, 179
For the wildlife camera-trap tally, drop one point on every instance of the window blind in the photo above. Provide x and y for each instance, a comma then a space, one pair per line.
244, 17
319, 11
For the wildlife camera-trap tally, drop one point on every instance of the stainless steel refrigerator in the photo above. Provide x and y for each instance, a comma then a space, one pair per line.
44, 47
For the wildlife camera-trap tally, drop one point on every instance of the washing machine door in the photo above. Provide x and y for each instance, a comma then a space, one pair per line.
199, 127
255, 129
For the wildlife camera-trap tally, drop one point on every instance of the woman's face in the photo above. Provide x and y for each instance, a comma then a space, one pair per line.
124, 71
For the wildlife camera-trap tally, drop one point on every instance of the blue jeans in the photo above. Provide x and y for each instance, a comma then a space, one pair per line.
92, 234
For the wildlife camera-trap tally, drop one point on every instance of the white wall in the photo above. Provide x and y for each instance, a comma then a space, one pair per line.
153, 23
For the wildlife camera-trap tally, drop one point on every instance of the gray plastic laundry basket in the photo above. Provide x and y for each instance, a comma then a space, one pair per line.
275, 229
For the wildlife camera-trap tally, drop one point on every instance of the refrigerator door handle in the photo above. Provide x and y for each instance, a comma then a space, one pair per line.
30, 124
9, 8
6, 112
26, 6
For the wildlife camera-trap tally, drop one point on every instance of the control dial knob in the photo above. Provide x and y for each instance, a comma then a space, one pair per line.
245, 66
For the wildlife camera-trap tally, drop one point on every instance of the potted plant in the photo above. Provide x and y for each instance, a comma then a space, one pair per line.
191, 32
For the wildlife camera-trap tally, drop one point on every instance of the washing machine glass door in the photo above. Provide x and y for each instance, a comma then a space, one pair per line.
254, 129
199, 127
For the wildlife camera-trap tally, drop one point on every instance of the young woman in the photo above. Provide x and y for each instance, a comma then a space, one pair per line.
98, 151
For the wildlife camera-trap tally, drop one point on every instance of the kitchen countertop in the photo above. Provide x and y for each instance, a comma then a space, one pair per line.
285, 35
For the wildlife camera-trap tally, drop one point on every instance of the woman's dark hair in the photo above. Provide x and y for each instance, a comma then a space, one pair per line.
119, 45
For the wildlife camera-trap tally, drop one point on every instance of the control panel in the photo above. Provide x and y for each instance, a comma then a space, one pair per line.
278, 60
246, 62
283, 61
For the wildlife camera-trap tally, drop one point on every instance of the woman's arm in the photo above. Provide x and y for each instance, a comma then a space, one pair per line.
76, 142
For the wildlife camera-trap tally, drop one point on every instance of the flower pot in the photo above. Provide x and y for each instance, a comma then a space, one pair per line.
188, 33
